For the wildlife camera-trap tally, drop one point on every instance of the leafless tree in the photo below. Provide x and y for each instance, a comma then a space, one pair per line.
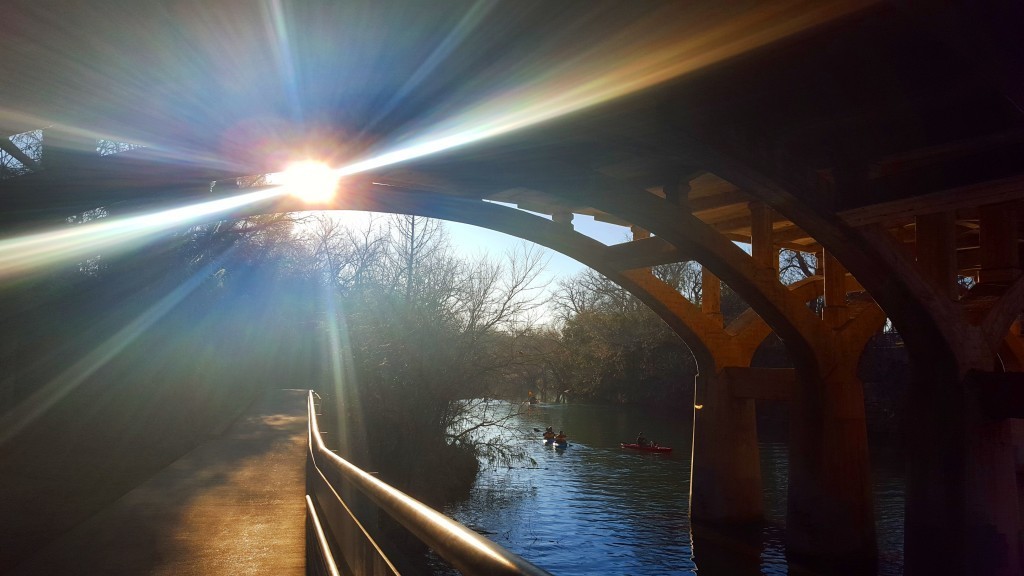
432, 337
27, 150
685, 277
343, 256
416, 241
795, 266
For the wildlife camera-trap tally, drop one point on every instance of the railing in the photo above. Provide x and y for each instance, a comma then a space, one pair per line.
337, 542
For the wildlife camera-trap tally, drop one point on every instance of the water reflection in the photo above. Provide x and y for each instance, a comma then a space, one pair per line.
596, 508
736, 552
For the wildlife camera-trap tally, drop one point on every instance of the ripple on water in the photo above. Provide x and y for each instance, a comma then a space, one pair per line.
596, 508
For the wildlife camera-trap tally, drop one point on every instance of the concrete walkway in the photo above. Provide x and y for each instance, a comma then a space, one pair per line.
234, 505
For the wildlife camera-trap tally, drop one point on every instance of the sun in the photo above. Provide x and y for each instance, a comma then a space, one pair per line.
310, 181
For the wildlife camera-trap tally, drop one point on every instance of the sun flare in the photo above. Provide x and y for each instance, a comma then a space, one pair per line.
310, 181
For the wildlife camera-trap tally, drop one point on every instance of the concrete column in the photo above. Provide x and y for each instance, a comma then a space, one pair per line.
711, 295
830, 514
1017, 435
762, 248
735, 550
677, 192
835, 313
962, 516
639, 233
994, 522
830, 505
564, 218
1000, 257
936, 250
725, 470
963, 512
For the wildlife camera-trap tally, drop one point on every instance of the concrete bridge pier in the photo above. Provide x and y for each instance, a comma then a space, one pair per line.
963, 503
963, 485
725, 477
994, 523
830, 514
725, 463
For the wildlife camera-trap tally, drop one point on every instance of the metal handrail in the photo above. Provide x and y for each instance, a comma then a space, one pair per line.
461, 547
320, 544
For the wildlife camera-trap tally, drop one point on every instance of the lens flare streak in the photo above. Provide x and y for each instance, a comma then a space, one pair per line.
24, 254
63, 384
643, 55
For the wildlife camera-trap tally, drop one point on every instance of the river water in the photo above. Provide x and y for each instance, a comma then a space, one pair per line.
596, 508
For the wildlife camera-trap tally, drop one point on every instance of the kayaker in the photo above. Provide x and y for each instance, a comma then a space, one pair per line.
549, 434
641, 440
561, 438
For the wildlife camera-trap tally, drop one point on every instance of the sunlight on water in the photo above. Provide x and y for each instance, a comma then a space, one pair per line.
596, 508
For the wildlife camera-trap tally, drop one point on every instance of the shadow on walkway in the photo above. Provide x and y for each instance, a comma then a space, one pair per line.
233, 505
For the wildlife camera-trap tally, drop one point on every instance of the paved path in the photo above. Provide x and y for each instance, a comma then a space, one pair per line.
234, 505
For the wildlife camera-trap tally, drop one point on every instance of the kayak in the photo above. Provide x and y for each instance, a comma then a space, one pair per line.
664, 449
557, 445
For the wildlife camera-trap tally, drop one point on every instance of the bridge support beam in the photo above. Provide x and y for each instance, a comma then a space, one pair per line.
936, 250
725, 476
711, 295
830, 508
963, 485
962, 482
1000, 259
835, 313
762, 248
830, 514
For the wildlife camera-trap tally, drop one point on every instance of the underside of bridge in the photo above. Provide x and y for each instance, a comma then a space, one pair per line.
884, 138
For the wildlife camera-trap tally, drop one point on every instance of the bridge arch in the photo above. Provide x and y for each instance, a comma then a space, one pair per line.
828, 400
947, 338
679, 314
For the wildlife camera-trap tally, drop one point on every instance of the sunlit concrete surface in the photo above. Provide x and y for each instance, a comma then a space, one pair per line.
234, 505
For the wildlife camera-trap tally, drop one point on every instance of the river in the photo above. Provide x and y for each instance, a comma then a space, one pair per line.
595, 508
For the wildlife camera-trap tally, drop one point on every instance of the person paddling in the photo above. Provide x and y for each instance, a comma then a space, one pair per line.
561, 438
549, 434
641, 440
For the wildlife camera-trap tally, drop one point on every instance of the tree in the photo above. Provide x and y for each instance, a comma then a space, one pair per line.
429, 338
340, 255
417, 243
685, 277
795, 266
613, 348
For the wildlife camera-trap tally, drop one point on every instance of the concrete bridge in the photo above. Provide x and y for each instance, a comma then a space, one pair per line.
883, 138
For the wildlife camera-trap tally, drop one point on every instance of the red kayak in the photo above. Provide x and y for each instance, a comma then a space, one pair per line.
646, 448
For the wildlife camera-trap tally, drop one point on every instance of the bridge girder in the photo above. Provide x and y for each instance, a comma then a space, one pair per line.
853, 133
